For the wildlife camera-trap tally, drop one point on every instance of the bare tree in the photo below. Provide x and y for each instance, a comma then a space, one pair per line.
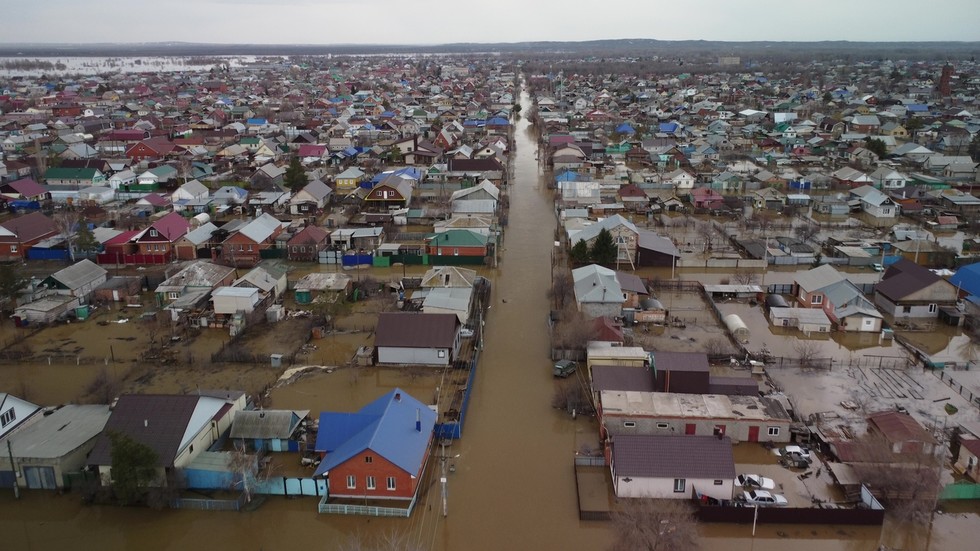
561, 289
245, 467
386, 541
744, 277
654, 525
806, 353
807, 231
706, 232
66, 222
573, 330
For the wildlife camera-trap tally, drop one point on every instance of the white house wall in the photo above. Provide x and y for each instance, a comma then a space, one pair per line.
413, 356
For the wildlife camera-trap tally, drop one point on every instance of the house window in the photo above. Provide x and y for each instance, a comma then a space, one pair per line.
773, 431
153, 232
351, 482
679, 485
629, 424
241, 248
932, 308
718, 482
13, 248
456, 252
906, 309
442, 354
7, 417
662, 425
817, 299
368, 459
886, 211
370, 483
192, 448
173, 295
391, 483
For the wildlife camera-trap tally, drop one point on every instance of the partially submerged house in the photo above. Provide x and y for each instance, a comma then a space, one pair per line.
672, 467
415, 338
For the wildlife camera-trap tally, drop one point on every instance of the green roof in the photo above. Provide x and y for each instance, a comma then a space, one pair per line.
458, 238
70, 173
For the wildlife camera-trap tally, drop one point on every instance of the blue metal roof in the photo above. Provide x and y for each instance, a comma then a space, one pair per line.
386, 426
668, 127
567, 176
625, 128
967, 278
256, 122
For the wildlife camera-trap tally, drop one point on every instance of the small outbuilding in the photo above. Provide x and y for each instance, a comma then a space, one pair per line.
737, 327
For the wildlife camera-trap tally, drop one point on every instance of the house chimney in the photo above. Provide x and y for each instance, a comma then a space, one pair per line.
418, 421
398, 396
146, 423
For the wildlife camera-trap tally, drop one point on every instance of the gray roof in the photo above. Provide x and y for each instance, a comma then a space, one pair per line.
201, 234
818, 278
679, 456
273, 423
449, 276
198, 274
79, 274
593, 283
261, 228
62, 431
592, 230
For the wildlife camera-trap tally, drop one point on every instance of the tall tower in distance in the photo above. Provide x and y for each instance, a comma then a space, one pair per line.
944, 81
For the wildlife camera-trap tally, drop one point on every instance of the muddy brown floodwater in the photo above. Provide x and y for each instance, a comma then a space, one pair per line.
513, 487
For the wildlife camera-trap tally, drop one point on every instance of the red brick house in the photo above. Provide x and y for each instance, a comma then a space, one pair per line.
243, 248
153, 148
22, 233
378, 453
159, 238
307, 244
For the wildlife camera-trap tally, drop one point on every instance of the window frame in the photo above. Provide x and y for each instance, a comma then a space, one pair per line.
680, 485
391, 483
351, 482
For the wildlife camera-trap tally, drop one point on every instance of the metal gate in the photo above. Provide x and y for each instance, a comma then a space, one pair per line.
40, 478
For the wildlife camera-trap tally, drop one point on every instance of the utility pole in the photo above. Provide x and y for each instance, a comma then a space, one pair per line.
13, 468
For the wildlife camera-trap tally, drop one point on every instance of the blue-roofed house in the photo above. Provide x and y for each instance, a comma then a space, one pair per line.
967, 282
379, 452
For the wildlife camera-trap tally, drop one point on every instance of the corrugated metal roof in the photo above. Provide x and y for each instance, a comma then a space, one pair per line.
416, 330
682, 456
386, 426
61, 432
261, 228
79, 274
274, 423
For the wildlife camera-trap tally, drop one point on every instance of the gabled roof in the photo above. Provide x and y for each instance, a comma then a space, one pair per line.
173, 226
595, 284
165, 423
30, 226
448, 276
967, 278
904, 278
416, 330
591, 231
59, 432
262, 228
395, 426
201, 234
21, 409
315, 189
309, 235
267, 423
458, 238
485, 186
27, 187
77, 275
897, 427
817, 278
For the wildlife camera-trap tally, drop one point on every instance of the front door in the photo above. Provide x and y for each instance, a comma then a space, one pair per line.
690, 428
753, 434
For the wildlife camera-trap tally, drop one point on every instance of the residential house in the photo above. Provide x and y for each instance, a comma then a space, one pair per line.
122, 180
846, 306
877, 205
230, 195
672, 467
391, 192
178, 428
323, 287
457, 243
448, 276
904, 435
268, 176
597, 291
157, 177
410, 338
269, 277
706, 198
274, 430
243, 248
960, 202
159, 238
379, 452
886, 179
359, 239
19, 234
78, 280
13, 412
24, 189
74, 178
907, 290
311, 199
479, 199
968, 462
196, 243
194, 283
51, 446
306, 245
349, 179
624, 234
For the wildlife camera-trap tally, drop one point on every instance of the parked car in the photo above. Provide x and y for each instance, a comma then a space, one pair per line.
755, 481
799, 450
564, 368
794, 460
466, 333
877, 267
763, 498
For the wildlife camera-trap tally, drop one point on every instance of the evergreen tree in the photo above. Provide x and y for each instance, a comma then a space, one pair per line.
11, 284
85, 241
604, 250
295, 178
133, 468
877, 147
580, 253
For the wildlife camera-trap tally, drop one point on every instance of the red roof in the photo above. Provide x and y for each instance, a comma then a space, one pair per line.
172, 226
31, 227
27, 187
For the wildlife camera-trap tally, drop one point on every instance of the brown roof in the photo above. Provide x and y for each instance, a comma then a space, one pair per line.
681, 361
898, 427
905, 277
309, 235
972, 445
31, 226
156, 420
416, 330
622, 378
677, 456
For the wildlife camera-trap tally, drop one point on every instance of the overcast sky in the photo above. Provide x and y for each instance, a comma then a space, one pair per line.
444, 21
